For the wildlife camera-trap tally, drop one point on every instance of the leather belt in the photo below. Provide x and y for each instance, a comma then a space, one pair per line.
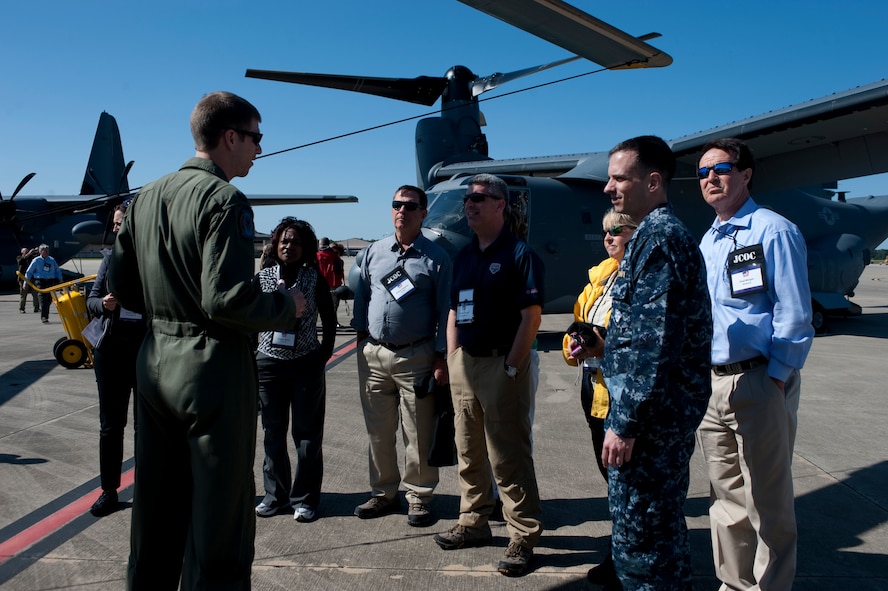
731, 369
486, 352
394, 347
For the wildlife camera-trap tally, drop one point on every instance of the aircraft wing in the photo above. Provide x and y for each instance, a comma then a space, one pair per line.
566, 26
840, 136
300, 199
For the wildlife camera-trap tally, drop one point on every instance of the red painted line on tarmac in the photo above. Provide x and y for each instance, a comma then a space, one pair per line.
342, 352
42, 529
59, 519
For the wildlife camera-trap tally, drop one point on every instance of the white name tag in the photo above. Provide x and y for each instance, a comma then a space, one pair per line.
465, 308
284, 340
399, 284
746, 270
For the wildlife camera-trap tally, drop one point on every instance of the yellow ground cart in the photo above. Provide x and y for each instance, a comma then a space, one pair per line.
73, 350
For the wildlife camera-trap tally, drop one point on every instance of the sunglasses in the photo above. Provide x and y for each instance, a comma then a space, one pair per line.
255, 135
477, 197
615, 230
408, 205
720, 168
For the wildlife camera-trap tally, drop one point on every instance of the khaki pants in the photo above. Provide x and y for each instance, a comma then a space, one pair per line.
388, 381
747, 438
492, 421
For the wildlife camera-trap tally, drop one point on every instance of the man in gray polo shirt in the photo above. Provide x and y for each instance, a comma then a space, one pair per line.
400, 315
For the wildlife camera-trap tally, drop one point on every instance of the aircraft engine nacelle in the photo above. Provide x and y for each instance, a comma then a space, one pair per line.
89, 232
447, 140
835, 263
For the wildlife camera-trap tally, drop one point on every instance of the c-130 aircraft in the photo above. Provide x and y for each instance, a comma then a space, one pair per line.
67, 223
801, 151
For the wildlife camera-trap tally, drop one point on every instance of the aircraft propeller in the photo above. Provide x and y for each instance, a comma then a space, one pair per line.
21, 186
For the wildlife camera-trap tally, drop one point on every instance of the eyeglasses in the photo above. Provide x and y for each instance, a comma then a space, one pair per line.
408, 205
720, 168
477, 197
255, 135
616, 230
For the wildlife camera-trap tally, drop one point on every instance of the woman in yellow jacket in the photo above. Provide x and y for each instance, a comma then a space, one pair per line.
593, 306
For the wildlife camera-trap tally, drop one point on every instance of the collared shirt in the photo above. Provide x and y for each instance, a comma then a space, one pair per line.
775, 323
418, 315
43, 268
656, 354
505, 278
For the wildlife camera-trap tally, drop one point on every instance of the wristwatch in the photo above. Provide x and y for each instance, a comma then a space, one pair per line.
511, 370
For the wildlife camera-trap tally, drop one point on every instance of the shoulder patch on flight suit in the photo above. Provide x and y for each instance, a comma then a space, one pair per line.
245, 221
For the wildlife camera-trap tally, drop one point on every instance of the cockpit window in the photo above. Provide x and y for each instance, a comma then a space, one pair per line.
446, 212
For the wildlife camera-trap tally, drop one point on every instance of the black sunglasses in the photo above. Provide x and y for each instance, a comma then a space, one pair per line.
408, 205
720, 168
255, 135
615, 230
477, 197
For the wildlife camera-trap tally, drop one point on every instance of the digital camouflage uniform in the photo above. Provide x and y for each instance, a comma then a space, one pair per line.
656, 366
184, 257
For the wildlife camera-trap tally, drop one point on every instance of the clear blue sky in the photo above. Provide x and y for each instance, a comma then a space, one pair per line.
147, 63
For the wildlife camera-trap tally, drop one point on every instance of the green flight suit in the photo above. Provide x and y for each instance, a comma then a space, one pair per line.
184, 257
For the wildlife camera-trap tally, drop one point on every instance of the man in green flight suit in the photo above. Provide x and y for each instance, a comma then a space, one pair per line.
184, 258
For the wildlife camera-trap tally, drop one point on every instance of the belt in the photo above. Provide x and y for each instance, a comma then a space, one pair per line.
730, 369
394, 347
486, 352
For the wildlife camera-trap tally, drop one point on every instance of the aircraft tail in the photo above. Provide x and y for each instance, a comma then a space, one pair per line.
105, 172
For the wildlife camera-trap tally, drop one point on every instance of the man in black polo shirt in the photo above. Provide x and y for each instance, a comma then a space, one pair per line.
495, 310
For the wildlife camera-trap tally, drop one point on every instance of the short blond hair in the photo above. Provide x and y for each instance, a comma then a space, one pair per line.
613, 218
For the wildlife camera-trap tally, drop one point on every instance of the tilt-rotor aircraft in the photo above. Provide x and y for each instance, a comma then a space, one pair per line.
68, 223
801, 151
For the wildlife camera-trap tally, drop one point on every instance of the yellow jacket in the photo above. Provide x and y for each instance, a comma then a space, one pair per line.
598, 277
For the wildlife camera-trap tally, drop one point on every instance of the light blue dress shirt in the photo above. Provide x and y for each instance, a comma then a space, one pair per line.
775, 323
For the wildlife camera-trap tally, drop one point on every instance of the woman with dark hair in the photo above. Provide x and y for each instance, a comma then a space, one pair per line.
291, 376
114, 356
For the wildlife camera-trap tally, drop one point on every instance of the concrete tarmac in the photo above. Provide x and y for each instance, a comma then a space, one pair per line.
49, 427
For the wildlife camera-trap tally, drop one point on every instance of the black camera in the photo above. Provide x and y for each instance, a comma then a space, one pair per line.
584, 333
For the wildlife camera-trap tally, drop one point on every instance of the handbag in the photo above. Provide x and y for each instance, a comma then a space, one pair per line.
442, 452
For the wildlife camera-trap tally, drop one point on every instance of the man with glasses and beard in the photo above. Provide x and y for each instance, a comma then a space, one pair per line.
184, 259
756, 263
400, 315
495, 312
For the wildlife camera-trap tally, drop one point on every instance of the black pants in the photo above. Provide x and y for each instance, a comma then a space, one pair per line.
296, 390
45, 298
596, 425
115, 365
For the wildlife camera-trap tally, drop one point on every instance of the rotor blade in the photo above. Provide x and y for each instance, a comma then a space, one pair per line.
423, 90
574, 30
22, 184
486, 83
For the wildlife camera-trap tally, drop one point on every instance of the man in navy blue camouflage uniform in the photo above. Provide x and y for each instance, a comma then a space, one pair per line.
656, 366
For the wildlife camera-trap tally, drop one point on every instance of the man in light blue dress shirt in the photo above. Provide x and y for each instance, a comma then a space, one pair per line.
44, 272
756, 264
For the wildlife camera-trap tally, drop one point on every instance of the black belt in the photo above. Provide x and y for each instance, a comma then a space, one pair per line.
739, 367
486, 352
394, 347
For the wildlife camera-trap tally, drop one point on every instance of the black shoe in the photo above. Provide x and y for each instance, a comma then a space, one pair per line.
377, 507
460, 536
418, 515
106, 504
604, 574
516, 560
